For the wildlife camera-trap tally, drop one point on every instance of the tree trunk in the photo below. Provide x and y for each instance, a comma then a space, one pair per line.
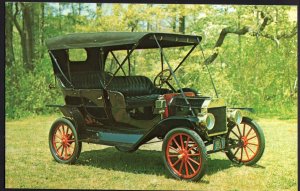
9, 56
73, 13
79, 8
60, 16
41, 36
174, 23
99, 9
149, 27
182, 24
28, 35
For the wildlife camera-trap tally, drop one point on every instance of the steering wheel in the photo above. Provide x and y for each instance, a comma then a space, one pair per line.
162, 77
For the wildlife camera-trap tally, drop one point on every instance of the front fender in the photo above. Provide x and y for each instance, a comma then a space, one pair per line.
165, 125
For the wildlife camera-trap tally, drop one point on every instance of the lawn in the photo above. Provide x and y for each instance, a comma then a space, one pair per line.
29, 164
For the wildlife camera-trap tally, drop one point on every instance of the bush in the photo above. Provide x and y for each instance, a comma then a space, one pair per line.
27, 93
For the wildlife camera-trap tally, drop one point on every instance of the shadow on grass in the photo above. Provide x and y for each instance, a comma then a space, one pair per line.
138, 162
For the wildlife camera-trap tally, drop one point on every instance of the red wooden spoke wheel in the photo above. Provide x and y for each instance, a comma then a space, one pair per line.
63, 141
245, 142
184, 154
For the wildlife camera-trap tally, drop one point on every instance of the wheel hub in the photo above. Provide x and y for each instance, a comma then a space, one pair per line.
244, 141
183, 154
65, 141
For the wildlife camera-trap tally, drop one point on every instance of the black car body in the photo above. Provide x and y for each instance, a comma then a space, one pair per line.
128, 111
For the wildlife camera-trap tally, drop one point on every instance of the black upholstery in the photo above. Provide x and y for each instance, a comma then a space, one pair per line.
138, 91
82, 80
141, 101
134, 86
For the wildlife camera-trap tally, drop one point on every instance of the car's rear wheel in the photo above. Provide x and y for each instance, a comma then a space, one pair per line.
245, 142
63, 141
184, 154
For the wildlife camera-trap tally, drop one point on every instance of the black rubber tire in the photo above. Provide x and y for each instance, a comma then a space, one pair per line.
261, 140
77, 147
196, 138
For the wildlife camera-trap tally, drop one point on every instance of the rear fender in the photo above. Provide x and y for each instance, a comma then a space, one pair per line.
75, 114
71, 113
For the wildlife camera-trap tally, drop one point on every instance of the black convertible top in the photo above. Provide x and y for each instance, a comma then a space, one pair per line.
120, 40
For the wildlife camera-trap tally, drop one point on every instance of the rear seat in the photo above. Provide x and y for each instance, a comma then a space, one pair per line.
138, 91
84, 80
87, 80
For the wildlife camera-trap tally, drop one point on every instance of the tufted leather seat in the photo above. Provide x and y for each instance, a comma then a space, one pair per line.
132, 85
90, 80
137, 90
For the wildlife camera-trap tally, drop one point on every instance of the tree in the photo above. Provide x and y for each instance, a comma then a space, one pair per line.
25, 31
9, 57
266, 20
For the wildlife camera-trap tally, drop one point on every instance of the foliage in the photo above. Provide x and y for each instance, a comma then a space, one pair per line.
256, 71
27, 93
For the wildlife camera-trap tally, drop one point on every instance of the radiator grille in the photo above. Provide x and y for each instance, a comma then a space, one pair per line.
221, 120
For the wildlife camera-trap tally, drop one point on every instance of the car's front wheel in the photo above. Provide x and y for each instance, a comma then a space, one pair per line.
245, 142
184, 154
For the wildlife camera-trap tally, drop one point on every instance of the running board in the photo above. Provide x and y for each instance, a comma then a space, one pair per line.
110, 138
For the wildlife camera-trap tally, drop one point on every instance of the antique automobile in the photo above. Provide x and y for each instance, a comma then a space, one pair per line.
121, 109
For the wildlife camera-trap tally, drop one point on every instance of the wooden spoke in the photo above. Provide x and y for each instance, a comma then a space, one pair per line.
250, 149
252, 144
180, 168
235, 133
62, 152
239, 130
58, 136
173, 148
176, 162
178, 146
181, 141
187, 142
173, 155
191, 166
186, 168
252, 137
236, 151
193, 161
195, 154
241, 154
63, 129
249, 132
246, 153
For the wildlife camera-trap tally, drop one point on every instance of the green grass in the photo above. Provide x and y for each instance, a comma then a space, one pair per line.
29, 164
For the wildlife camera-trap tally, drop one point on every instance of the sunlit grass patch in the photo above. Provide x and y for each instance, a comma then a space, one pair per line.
29, 163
